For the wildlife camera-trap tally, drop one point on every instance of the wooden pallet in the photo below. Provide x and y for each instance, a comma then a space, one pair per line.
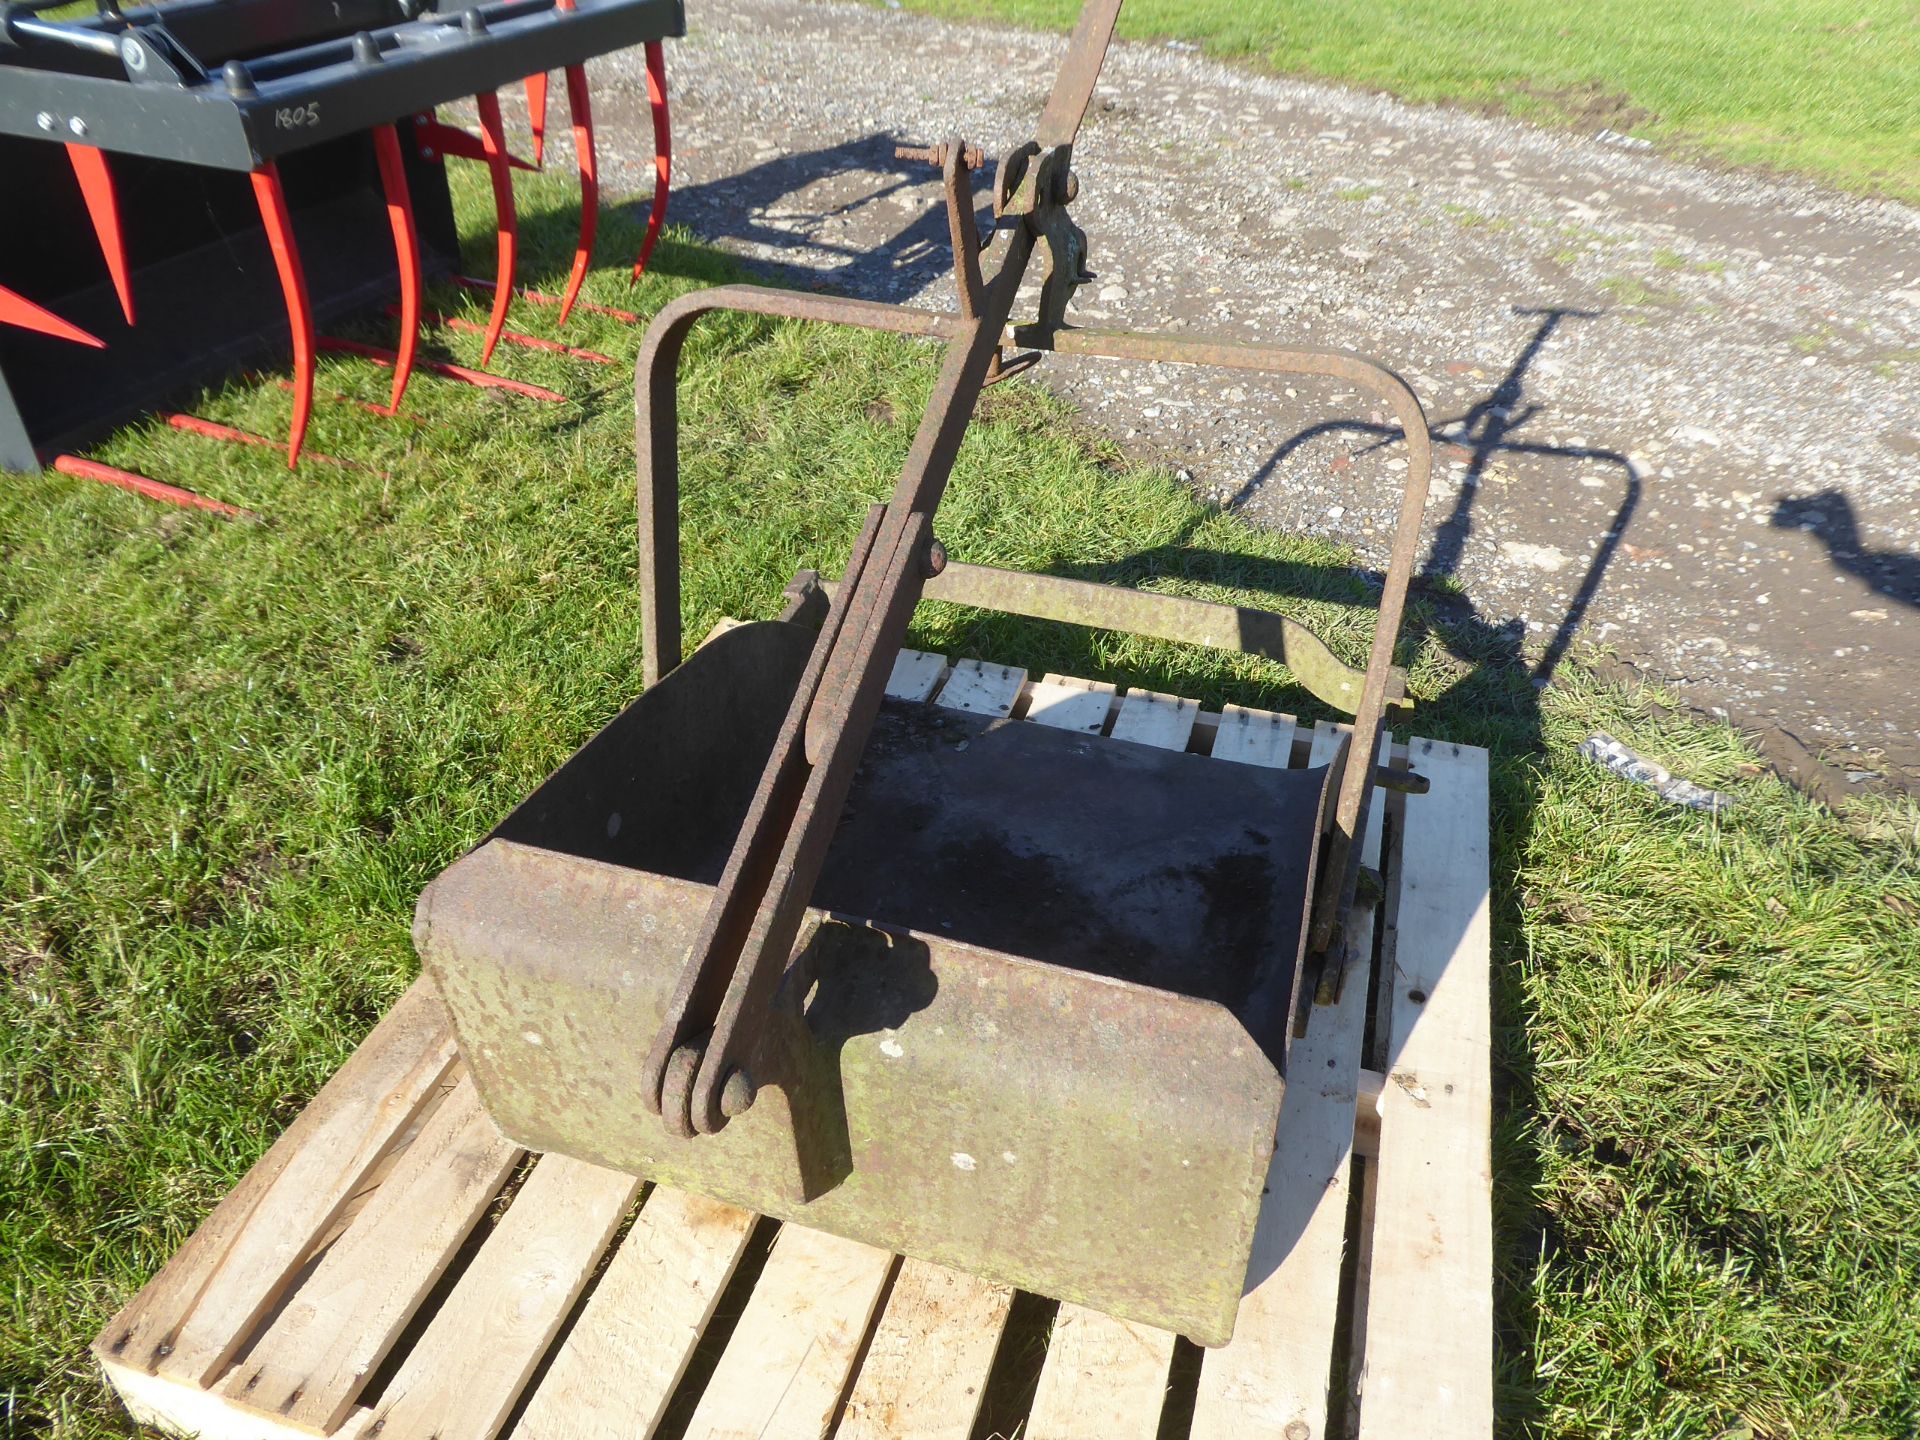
394, 1268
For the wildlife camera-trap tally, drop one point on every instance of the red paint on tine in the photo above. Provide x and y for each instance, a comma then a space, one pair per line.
526, 342
662, 151
438, 140
406, 246
580, 105
337, 398
81, 469
537, 114
293, 284
536, 297
21, 313
103, 208
213, 430
440, 367
493, 135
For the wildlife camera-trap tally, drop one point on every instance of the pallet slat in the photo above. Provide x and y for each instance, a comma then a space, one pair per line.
1149, 718
925, 1371
1272, 1379
788, 1361
467, 1371
981, 688
619, 1365
1254, 737
1429, 1339
188, 1322
915, 674
1104, 1379
309, 1366
1064, 703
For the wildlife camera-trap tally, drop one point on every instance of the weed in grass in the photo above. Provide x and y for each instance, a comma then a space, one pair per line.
1669, 260
1356, 193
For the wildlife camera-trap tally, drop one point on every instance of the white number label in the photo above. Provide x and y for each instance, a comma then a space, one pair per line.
297, 117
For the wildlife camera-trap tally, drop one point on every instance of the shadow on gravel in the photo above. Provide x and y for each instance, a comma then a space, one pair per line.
1484, 433
743, 209
1829, 516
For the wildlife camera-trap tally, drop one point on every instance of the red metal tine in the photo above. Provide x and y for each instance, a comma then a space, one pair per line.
103, 207
21, 313
526, 342
494, 137
406, 246
293, 284
438, 140
81, 469
440, 367
662, 151
227, 434
625, 317
580, 105
537, 113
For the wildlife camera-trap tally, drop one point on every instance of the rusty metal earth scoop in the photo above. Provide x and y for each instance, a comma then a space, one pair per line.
1005, 997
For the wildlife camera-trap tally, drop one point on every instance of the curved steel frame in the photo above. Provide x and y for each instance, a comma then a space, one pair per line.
657, 449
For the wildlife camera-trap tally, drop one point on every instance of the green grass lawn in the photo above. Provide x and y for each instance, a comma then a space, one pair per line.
1824, 87
231, 755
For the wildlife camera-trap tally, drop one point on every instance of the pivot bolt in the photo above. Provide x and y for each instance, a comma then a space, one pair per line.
77, 126
46, 122
936, 558
736, 1096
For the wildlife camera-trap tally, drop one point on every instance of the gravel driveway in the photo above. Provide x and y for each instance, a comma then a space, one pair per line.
1681, 407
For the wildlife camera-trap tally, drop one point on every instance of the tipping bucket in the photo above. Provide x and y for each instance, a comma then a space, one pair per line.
1035, 1029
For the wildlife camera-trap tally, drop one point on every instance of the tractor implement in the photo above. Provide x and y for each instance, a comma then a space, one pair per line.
1010, 998
133, 131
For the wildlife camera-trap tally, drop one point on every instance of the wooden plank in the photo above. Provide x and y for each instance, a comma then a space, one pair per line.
1254, 737
1271, 1380
309, 1366
465, 1374
925, 1373
1149, 718
619, 1365
915, 675
191, 1317
1429, 1342
159, 1404
1104, 1379
982, 689
1066, 703
787, 1363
